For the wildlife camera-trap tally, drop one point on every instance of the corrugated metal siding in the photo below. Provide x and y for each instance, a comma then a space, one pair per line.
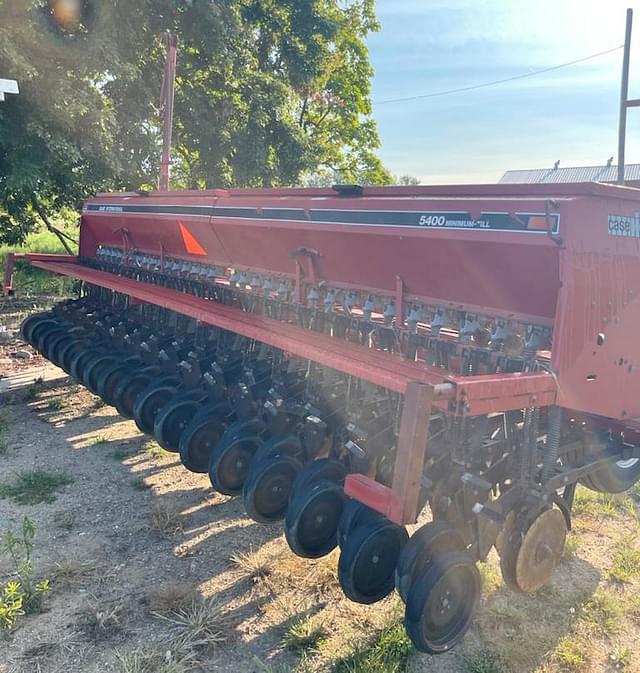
572, 174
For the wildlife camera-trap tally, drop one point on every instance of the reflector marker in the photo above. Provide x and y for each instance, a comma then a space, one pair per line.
191, 245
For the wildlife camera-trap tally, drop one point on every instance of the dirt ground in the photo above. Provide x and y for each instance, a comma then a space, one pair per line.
134, 538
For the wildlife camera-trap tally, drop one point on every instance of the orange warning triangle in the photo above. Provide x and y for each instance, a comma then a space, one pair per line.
190, 243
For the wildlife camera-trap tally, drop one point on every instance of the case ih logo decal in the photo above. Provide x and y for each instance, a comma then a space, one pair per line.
625, 225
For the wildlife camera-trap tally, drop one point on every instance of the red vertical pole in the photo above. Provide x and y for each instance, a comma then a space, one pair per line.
166, 102
412, 447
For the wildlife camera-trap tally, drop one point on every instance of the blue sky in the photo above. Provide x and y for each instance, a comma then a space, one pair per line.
570, 114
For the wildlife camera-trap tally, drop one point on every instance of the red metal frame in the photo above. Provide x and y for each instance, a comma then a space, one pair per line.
421, 385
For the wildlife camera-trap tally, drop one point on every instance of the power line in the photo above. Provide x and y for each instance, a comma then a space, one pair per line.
497, 81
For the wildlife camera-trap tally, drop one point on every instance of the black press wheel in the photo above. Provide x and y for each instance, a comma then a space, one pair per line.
171, 422
77, 361
268, 487
368, 560
442, 601
322, 469
58, 347
97, 368
230, 462
432, 540
110, 380
197, 443
123, 390
44, 334
41, 327
353, 515
149, 404
311, 524
51, 340
30, 323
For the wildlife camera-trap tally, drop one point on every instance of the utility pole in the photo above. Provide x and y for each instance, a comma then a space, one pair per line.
166, 105
624, 100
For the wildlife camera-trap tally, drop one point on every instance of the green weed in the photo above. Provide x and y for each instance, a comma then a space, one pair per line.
388, 653
603, 613
154, 449
571, 654
56, 403
304, 633
483, 661
33, 488
24, 595
626, 562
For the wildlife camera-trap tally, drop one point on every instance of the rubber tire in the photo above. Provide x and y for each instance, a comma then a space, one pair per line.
36, 330
97, 369
127, 390
322, 469
611, 478
355, 514
149, 404
387, 539
57, 347
258, 480
288, 445
302, 516
422, 588
171, 422
433, 539
28, 324
248, 445
197, 458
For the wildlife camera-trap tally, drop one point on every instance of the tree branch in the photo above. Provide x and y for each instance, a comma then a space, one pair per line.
51, 227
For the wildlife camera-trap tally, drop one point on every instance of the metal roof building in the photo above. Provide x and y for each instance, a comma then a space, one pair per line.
608, 173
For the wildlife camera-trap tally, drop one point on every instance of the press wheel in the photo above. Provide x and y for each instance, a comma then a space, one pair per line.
311, 523
230, 462
433, 539
149, 404
197, 443
171, 422
441, 602
368, 560
268, 486
529, 558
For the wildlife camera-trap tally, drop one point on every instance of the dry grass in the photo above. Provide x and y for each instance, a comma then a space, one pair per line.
68, 572
102, 620
202, 625
157, 660
256, 566
165, 519
171, 597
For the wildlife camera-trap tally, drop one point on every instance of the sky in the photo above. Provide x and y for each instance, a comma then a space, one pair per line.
570, 114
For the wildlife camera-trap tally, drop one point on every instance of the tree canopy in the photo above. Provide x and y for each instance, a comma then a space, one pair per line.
267, 92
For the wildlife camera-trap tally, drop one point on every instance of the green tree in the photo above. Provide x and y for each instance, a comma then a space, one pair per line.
267, 91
